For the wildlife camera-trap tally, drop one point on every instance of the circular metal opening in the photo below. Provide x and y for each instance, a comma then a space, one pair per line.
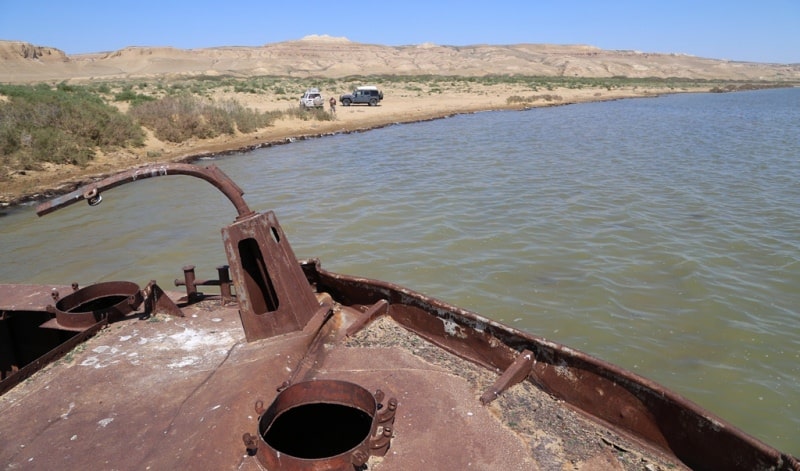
86, 306
97, 305
314, 431
317, 420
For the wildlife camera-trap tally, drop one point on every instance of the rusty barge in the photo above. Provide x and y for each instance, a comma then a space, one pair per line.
293, 367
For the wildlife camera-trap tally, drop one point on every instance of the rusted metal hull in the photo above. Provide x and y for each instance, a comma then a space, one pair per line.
209, 384
180, 392
626, 401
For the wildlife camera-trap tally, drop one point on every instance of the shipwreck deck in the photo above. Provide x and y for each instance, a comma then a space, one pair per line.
170, 392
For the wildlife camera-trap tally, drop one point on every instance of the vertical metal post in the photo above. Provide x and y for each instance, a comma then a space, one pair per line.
189, 279
224, 283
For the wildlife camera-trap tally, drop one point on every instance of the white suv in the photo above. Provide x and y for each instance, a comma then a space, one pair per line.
312, 98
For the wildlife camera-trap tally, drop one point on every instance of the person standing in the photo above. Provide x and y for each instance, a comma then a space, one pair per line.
332, 102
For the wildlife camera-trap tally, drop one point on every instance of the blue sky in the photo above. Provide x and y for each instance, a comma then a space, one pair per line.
764, 31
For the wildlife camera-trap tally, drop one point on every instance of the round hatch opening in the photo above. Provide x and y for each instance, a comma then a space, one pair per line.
314, 431
322, 420
110, 300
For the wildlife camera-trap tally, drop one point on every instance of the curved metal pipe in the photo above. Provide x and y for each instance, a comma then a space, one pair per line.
91, 192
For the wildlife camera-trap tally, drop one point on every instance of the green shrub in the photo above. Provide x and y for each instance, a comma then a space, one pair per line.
317, 114
176, 119
62, 125
132, 97
533, 98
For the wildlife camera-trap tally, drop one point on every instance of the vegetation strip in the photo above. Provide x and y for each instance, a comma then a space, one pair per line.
68, 124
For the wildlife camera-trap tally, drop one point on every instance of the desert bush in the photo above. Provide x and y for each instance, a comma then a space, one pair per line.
246, 88
132, 97
177, 119
318, 114
62, 125
246, 119
740, 87
516, 99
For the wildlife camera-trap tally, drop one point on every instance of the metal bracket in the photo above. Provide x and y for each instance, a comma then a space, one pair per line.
156, 301
516, 372
378, 309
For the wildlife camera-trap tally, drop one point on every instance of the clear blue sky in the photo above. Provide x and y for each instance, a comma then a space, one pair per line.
763, 31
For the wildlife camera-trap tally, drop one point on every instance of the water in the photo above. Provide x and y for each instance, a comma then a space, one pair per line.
659, 234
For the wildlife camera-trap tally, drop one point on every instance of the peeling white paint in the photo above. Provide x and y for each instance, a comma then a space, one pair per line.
183, 362
90, 361
565, 372
104, 422
65, 415
452, 328
192, 339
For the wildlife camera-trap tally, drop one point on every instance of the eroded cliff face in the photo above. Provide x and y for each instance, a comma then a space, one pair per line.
22, 62
18, 50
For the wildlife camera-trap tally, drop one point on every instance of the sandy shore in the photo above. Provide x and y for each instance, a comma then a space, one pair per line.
399, 106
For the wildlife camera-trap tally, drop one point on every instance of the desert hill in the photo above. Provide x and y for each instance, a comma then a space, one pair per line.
324, 56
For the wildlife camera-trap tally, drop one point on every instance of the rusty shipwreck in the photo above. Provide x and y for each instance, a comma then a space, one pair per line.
293, 367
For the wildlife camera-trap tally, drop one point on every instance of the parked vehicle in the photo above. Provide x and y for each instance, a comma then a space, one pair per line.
312, 98
368, 94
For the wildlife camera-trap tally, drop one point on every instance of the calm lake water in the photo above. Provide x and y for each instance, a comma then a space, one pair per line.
660, 234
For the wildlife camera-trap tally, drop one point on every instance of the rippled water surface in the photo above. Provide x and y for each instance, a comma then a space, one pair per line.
660, 234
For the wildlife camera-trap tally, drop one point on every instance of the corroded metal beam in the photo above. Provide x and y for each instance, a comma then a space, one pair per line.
92, 192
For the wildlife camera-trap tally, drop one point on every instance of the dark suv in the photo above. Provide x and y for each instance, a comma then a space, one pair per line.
369, 95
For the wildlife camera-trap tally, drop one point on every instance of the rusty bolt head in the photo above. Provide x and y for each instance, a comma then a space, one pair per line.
359, 458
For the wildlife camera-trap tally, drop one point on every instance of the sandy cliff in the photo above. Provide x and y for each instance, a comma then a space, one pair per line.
336, 57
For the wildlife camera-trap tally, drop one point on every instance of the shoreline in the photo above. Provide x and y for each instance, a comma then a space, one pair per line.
32, 186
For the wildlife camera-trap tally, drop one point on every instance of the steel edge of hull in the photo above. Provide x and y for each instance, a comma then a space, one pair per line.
646, 411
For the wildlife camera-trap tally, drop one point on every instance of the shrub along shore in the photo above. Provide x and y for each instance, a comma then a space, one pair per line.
55, 137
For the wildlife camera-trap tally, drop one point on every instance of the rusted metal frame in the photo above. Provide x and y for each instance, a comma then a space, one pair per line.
191, 283
80, 310
92, 192
376, 440
156, 301
646, 409
274, 295
225, 282
380, 443
386, 417
315, 350
28, 370
632, 405
517, 372
629, 403
378, 309
29, 298
791, 463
